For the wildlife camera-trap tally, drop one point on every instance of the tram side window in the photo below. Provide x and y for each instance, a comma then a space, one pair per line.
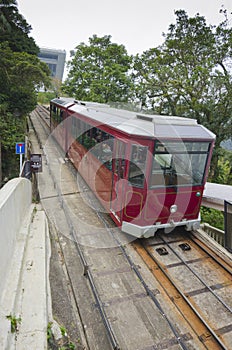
61, 116
85, 135
103, 147
53, 112
53, 109
98, 142
74, 129
138, 165
57, 114
119, 162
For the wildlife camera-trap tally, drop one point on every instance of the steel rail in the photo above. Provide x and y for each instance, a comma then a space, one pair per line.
173, 294
147, 289
135, 269
214, 255
53, 227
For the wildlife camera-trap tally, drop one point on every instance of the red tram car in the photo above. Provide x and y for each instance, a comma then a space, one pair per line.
148, 171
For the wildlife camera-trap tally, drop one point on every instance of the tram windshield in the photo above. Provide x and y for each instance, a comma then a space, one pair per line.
179, 163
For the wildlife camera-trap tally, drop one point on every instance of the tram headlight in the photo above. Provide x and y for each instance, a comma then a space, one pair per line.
173, 209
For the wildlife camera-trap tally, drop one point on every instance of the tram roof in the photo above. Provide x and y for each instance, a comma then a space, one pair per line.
64, 101
146, 125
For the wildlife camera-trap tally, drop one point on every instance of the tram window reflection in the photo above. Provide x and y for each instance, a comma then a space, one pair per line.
138, 165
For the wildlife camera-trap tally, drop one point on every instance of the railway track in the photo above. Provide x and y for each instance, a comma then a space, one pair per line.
168, 309
197, 282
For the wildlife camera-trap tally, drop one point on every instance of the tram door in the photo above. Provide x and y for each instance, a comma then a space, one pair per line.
118, 187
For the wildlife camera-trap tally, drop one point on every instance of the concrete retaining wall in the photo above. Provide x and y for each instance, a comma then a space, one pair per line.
15, 201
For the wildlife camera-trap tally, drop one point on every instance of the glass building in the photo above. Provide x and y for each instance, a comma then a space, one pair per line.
55, 60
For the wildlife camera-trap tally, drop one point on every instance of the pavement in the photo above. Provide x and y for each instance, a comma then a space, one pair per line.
26, 302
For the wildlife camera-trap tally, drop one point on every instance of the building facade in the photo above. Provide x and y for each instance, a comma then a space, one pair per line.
55, 60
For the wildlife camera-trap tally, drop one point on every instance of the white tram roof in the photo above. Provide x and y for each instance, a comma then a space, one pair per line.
64, 101
145, 125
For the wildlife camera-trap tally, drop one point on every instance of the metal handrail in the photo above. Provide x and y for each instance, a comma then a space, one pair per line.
215, 233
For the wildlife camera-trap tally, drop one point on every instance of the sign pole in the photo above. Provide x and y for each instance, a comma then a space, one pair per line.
21, 163
20, 149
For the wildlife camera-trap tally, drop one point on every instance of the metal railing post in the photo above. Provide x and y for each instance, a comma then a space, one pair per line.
228, 225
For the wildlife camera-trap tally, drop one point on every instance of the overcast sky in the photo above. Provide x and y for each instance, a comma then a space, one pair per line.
137, 24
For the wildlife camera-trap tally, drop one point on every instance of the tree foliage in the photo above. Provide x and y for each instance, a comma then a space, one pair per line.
12, 130
21, 73
99, 71
189, 75
15, 30
213, 217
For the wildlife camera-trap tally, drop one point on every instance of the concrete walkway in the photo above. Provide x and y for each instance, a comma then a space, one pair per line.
25, 299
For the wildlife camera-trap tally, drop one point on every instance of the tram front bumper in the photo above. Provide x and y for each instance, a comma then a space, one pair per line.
149, 231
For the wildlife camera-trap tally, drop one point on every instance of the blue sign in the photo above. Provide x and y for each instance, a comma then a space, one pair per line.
20, 148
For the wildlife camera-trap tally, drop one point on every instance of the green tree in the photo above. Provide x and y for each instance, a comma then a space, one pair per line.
21, 74
12, 130
225, 167
14, 29
212, 217
189, 75
99, 71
